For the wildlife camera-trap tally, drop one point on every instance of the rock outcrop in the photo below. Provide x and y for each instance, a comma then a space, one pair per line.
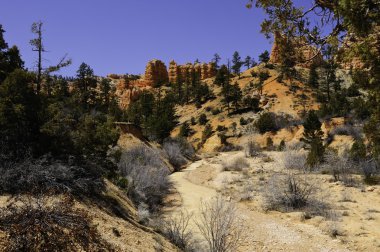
306, 55
189, 71
126, 93
156, 73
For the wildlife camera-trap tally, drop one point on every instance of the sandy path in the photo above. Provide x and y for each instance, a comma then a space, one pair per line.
265, 231
191, 194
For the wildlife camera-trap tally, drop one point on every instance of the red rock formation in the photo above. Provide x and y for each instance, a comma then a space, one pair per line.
306, 54
156, 73
173, 72
189, 71
126, 93
211, 70
114, 76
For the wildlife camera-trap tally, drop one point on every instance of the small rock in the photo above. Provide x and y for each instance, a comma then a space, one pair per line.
371, 189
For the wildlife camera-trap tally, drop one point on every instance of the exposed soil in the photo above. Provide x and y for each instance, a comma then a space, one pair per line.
274, 231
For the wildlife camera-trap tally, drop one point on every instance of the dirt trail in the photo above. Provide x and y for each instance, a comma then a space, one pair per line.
265, 232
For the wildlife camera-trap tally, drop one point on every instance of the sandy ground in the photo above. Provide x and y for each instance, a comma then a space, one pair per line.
275, 231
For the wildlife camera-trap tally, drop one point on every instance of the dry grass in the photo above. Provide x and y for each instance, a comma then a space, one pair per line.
238, 164
34, 224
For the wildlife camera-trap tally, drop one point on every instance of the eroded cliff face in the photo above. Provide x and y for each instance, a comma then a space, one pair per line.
127, 92
156, 73
189, 71
306, 55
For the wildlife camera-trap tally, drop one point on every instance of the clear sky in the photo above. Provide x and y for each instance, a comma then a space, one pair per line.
121, 36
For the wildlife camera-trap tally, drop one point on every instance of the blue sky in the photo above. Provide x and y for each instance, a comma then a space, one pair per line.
120, 36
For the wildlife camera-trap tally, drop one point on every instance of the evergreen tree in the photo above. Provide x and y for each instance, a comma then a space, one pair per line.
227, 95
248, 62
253, 63
105, 90
10, 58
287, 59
207, 133
312, 127
330, 66
313, 76
216, 60
85, 82
184, 131
236, 63
19, 107
313, 137
264, 57
236, 95
358, 150
221, 76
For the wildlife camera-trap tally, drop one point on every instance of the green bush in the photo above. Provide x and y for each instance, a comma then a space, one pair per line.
243, 121
254, 74
358, 150
316, 153
269, 143
282, 145
193, 121
184, 131
202, 119
220, 128
266, 122
215, 111
207, 133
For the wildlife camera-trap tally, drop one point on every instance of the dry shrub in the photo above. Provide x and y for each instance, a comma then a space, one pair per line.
147, 175
220, 225
50, 175
369, 170
340, 167
286, 193
294, 159
252, 149
247, 192
33, 224
345, 130
175, 156
177, 231
238, 164
290, 192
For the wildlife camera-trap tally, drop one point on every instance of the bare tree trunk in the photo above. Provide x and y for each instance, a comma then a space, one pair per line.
38, 47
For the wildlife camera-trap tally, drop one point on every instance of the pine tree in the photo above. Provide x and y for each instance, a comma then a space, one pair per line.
236, 95
313, 76
19, 108
248, 62
10, 58
287, 59
184, 131
105, 89
85, 82
216, 60
236, 63
313, 137
221, 76
264, 57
